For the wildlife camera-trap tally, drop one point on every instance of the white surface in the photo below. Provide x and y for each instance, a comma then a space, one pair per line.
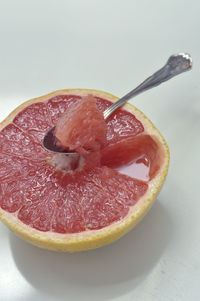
111, 45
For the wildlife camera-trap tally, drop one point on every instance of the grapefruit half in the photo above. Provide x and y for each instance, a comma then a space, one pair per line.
53, 204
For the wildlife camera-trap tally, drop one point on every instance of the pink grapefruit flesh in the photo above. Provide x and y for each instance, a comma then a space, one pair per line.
82, 127
51, 199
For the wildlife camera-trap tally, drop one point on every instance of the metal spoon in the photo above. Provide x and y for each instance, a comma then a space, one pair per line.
175, 65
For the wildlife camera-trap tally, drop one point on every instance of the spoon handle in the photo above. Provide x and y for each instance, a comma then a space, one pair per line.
175, 65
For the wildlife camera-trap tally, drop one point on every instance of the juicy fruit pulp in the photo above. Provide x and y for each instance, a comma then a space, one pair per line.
50, 199
82, 127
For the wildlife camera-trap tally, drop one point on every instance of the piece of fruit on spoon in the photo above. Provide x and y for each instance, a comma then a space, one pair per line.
82, 127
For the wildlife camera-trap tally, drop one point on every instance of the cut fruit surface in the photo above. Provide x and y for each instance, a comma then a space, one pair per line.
63, 203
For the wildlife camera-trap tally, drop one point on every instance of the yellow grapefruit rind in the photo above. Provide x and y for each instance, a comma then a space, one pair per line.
91, 239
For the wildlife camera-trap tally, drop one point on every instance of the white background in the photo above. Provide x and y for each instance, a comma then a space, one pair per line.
112, 46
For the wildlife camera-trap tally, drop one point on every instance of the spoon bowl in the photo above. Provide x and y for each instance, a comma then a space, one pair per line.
49, 143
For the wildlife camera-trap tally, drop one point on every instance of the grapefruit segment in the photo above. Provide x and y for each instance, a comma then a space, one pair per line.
82, 127
12, 167
38, 124
40, 120
58, 205
17, 182
141, 149
110, 204
59, 104
121, 124
14, 141
11, 197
